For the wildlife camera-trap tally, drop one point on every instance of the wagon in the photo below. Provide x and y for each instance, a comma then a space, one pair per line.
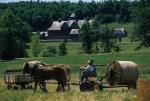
14, 78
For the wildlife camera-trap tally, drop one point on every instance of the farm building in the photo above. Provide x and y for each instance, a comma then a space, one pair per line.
43, 35
120, 32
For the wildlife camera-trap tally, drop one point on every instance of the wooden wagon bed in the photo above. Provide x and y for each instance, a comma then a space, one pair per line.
14, 78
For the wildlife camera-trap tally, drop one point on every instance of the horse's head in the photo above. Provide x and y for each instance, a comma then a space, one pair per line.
26, 68
30, 67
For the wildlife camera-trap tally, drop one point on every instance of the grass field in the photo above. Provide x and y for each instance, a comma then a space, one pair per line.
141, 57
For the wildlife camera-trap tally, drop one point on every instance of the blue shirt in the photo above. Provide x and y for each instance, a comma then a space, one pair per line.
89, 68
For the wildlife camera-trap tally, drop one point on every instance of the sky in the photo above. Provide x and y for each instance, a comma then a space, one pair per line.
6, 1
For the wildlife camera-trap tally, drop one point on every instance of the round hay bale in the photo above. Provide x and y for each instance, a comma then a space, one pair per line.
122, 72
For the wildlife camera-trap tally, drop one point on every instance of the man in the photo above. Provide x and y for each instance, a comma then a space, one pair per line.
89, 70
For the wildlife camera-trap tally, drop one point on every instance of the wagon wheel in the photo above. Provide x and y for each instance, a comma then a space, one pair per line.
8, 86
85, 85
22, 86
97, 86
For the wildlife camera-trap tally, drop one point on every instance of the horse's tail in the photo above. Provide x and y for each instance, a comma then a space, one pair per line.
68, 72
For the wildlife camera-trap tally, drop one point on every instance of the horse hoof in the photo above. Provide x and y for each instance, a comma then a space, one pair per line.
57, 90
45, 92
63, 90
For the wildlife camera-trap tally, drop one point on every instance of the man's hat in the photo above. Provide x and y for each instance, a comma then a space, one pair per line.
89, 61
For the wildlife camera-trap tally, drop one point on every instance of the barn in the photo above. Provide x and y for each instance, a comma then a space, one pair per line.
66, 29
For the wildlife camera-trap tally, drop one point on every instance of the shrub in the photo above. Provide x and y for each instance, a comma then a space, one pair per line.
51, 51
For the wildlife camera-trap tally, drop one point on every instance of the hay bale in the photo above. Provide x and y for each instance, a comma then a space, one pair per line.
121, 72
143, 90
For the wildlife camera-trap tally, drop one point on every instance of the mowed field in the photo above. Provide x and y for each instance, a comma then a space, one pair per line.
141, 57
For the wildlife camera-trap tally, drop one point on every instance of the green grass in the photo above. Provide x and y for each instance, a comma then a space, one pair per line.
75, 60
142, 59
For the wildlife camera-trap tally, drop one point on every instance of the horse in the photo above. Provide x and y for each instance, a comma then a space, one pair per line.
41, 73
68, 71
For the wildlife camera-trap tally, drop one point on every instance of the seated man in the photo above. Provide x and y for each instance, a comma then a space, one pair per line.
89, 70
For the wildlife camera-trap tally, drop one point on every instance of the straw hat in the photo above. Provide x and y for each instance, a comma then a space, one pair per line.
89, 61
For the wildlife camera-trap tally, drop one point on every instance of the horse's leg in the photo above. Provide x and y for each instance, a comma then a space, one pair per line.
68, 84
41, 86
44, 87
58, 87
62, 87
35, 86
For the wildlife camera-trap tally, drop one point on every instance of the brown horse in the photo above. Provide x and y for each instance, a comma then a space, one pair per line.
68, 71
41, 73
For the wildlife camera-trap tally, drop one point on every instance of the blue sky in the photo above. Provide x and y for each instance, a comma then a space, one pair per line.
46, 0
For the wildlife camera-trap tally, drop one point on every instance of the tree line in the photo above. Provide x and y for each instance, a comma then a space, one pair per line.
40, 15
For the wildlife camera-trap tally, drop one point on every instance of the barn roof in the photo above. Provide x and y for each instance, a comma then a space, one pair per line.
73, 15
70, 22
74, 31
80, 23
64, 25
73, 24
56, 25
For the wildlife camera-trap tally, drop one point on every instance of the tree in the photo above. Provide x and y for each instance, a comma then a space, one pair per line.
95, 26
7, 44
86, 38
108, 40
62, 50
142, 28
11, 43
124, 13
35, 45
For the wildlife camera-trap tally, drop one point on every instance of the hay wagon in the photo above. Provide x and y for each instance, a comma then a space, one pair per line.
14, 78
